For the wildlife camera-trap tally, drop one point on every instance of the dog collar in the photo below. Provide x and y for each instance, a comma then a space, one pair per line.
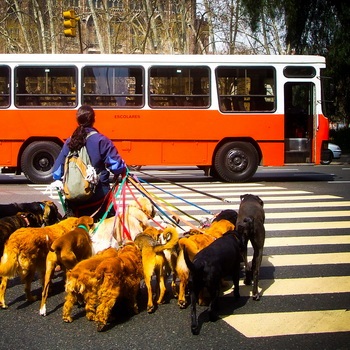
83, 227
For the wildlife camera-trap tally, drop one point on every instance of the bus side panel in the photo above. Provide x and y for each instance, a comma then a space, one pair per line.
165, 152
6, 154
273, 153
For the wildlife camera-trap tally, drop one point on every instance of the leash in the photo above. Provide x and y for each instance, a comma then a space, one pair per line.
178, 197
171, 212
147, 194
188, 188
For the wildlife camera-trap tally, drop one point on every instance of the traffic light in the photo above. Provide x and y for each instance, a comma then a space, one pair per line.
70, 23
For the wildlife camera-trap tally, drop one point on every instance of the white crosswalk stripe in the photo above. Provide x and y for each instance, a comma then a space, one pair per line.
295, 219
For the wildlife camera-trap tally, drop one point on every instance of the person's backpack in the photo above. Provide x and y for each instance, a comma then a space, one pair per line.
79, 178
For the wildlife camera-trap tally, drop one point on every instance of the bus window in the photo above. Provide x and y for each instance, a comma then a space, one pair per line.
113, 86
45, 86
246, 89
299, 72
4, 86
179, 87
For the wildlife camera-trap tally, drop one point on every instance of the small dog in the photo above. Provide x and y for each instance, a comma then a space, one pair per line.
110, 232
66, 251
81, 284
25, 253
250, 224
118, 277
195, 243
153, 259
47, 210
220, 259
10, 224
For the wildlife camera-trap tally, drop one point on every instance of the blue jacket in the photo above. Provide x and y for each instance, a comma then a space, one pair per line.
103, 154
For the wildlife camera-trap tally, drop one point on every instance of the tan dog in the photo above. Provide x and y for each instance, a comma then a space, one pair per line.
67, 251
81, 284
135, 219
195, 243
118, 277
25, 253
153, 259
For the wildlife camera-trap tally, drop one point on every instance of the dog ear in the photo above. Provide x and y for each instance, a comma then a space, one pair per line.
90, 221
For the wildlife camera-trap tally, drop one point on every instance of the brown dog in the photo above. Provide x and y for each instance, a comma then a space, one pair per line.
81, 284
10, 224
118, 277
195, 243
250, 225
153, 259
67, 251
25, 253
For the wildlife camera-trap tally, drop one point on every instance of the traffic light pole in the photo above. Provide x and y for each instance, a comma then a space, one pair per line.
80, 41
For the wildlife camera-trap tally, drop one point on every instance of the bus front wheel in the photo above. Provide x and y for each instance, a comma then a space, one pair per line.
38, 159
236, 161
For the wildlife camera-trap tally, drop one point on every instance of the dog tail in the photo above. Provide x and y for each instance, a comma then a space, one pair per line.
172, 237
9, 263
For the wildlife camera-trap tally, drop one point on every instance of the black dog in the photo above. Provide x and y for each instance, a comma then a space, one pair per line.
47, 209
250, 225
220, 259
10, 224
227, 214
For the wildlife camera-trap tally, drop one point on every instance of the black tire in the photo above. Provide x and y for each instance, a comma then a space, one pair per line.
38, 159
328, 157
236, 161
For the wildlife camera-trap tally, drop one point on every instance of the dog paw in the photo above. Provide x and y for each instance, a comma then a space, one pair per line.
67, 319
150, 309
182, 304
256, 297
100, 327
195, 330
4, 306
43, 310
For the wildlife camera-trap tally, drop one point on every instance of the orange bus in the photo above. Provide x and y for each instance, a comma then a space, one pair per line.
227, 114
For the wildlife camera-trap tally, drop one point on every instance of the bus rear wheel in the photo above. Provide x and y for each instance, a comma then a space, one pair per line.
38, 159
236, 161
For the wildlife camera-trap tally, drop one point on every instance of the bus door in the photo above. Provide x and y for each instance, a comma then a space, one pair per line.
299, 110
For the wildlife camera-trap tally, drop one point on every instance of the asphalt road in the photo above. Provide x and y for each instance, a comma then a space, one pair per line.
304, 278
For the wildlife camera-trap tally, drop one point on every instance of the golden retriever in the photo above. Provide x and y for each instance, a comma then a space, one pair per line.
153, 259
25, 253
66, 251
81, 284
118, 277
110, 232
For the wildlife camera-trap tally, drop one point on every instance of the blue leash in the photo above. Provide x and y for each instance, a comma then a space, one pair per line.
182, 199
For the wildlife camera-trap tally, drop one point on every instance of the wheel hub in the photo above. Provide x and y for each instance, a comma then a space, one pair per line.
236, 161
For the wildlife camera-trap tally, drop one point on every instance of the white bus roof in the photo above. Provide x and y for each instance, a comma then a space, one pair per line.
158, 59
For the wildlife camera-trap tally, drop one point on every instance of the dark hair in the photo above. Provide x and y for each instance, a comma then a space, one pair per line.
85, 118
